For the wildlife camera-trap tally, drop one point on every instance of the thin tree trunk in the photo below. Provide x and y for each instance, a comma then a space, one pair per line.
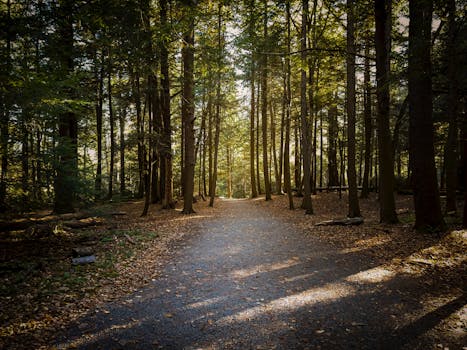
254, 192
188, 114
99, 113
217, 117
122, 152
167, 193
5, 115
111, 122
367, 122
387, 212
306, 127
333, 175
287, 180
450, 155
421, 139
274, 150
264, 107
354, 208
258, 95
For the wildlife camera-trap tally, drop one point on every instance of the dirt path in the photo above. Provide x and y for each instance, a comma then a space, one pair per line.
249, 281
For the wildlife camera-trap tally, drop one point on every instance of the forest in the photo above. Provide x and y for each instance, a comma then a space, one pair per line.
154, 108
134, 99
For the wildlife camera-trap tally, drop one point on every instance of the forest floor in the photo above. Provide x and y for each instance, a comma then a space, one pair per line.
247, 274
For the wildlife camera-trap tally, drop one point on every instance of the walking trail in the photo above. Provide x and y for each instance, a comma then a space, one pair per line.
248, 280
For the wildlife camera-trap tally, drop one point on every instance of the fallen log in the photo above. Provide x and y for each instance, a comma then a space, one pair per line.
341, 222
82, 224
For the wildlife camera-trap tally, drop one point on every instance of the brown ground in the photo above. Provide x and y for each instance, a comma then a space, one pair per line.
41, 293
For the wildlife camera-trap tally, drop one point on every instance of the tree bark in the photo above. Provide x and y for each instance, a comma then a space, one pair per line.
287, 180
387, 212
367, 120
188, 112
254, 192
354, 208
333, 174
217, 116
450, 154
111, 123
305, 123
264, 107
99, 113
424, 182
67, 168
167, 193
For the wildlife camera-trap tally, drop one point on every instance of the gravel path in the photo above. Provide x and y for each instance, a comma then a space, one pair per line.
246, 280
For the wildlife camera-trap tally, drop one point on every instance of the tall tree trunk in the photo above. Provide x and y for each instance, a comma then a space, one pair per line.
274, 150
333, 174
387, 205
450, 154
122, 151
99, 113
421, 141
258, 179
297, 158
254, 192
367, 121
67, 168
217, 117
111, 123
264, 106
354, 208
5, 113
188, 113
287, 180
305, 123
167, 194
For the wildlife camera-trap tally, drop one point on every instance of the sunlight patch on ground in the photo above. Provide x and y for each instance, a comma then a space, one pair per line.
329, 292
375, 275
204, 303
243, 273
299, 277
363, 244
191, 217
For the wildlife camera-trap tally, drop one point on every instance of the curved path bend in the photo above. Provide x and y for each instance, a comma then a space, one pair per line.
248, 280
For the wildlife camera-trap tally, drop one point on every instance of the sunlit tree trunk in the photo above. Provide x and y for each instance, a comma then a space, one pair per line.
188, 113
287, 180
264, 106
254, 192
217, 116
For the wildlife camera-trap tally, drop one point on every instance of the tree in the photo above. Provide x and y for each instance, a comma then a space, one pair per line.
251, 27
188, 110
386, 172
166, 165
367, 120
354, 209
67, 164
424, 181
305, 122
264, 106
287, 180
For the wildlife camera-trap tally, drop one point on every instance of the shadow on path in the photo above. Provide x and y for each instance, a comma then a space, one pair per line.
249, 281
